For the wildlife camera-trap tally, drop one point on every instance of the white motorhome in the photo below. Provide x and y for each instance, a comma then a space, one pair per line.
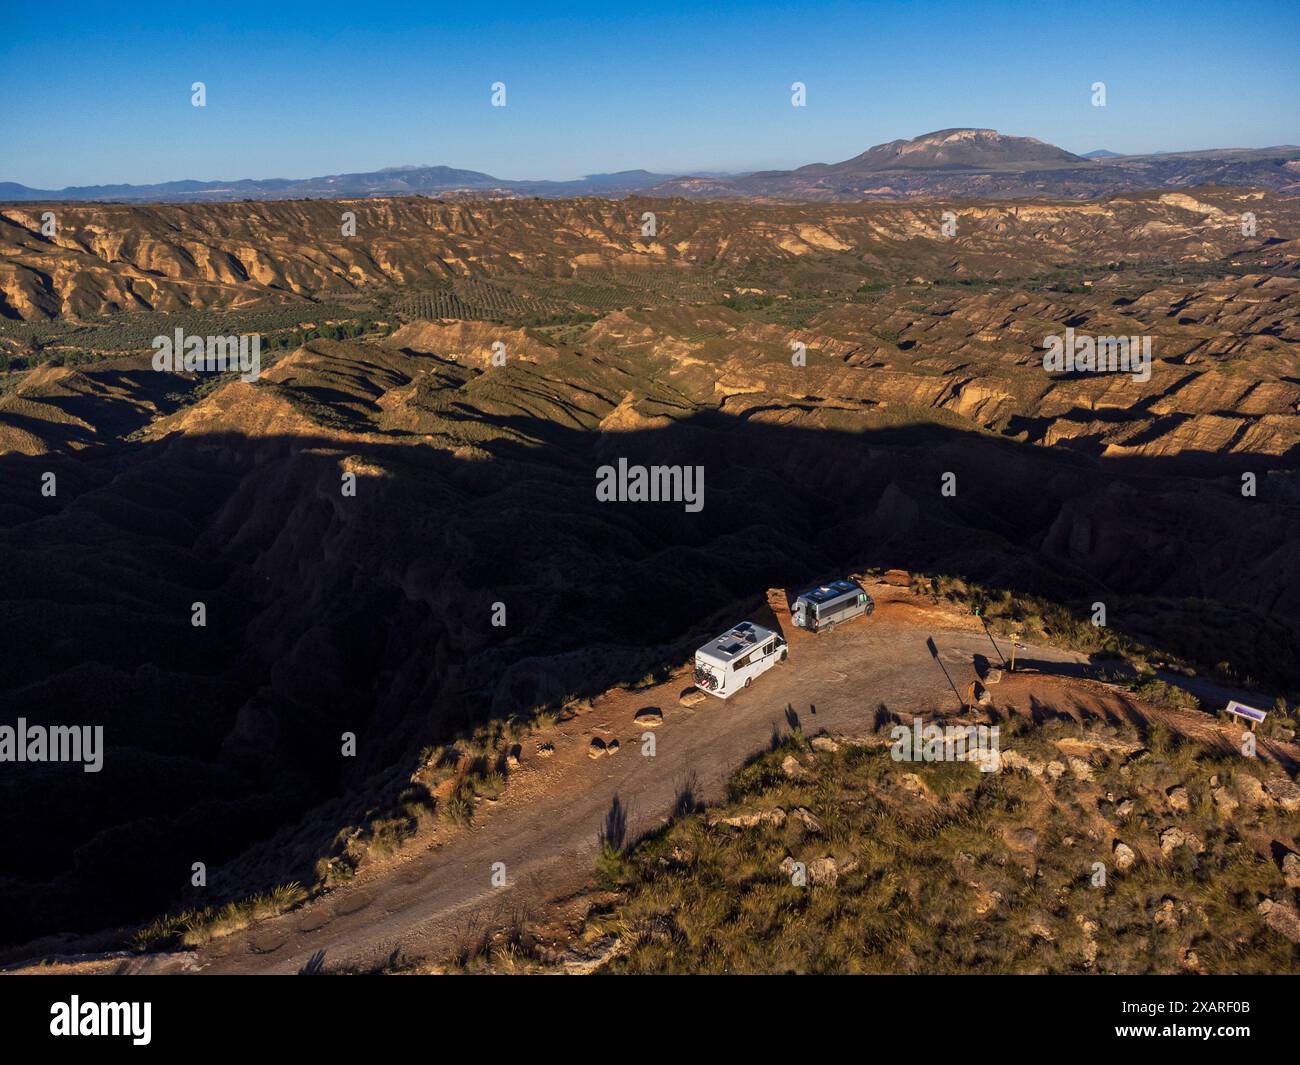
732, 661
829, 604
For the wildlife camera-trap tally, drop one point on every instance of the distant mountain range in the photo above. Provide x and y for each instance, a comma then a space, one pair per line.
949, 162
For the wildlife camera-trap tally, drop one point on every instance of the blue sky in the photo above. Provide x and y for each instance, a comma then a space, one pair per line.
93, 94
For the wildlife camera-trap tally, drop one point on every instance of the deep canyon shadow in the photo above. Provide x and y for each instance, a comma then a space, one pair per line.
373, 614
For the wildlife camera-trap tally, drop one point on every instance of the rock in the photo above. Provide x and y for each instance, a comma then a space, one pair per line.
1055, 770
1124, 857
1089, 928
512, 756
807, 818
910, 782
545, 750
1224, 801
1165, 917
824, 743
986, 899
1040, 929
1284, 792
597, 747
1124, 807
792, 768
582, 961
1015, 760
1291, 870
823, 871
1081, 769
1084, 745
1281, 917
1174, 837
612, 747
750, 818
1251, 790
649, 717
994, 676
1179, 801
691, 696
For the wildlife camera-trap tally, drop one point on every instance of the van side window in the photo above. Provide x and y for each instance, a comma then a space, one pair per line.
741, 663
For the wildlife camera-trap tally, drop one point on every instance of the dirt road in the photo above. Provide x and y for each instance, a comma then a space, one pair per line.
544, 831
545, 828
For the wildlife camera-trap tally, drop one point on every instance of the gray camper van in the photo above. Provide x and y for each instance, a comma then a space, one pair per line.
829, 604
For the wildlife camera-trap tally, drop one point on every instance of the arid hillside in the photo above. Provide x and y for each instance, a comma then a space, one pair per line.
114, 258
860, 390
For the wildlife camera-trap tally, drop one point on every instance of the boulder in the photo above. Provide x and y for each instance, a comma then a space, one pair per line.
1179, 801
807, 818
649, 717
1081, 769
582, 961
1015, 760
597, 747
1165, 917
1284, 792
1251, 790
986, 899
1281, 917
750, 818
1224, 801
823, 871
1174, 837
1124, 857
792, 768
825, 744
1291, 870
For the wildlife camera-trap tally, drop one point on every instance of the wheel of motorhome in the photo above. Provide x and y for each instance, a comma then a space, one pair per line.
830, 604
731, 662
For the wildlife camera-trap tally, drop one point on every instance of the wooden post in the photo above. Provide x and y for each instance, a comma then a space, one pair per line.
1015, 639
